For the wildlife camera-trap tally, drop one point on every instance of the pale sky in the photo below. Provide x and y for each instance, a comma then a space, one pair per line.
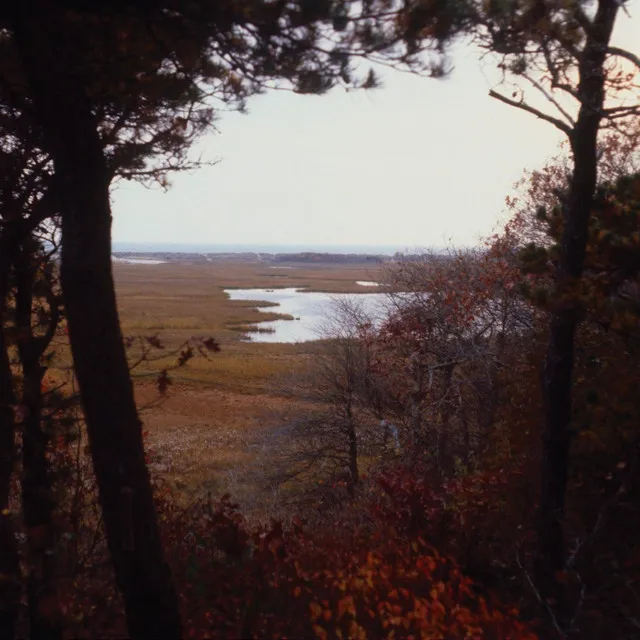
416, 163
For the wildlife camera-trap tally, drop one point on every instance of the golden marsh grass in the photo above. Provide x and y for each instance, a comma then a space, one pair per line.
204, 432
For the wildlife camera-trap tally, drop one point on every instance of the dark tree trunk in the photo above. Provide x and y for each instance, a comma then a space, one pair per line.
101, 368
354, 475
557, 374
444, 454
10, 586
351, 433
419, 440
466, 438
45, 620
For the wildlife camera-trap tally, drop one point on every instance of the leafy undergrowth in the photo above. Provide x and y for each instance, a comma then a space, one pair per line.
482, 519
362, 582
372, 576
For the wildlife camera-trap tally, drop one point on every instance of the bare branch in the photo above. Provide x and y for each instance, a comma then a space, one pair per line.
555, 76
627, 55
549, 96
615, 113
542, 601
520, 104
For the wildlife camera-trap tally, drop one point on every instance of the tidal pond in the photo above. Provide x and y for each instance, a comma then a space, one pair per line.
137, 260
311, 311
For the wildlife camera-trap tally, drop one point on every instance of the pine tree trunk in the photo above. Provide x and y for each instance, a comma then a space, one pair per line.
10, 586
557, 374
45, 619
113, 426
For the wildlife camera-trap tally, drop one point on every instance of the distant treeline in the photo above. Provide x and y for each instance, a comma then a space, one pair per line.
328, 258
306, 257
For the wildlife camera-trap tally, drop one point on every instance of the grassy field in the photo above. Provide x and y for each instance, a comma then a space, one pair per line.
206, 431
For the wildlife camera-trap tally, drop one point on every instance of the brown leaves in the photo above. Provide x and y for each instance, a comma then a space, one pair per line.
185, 355
211, 344
155, 342
163, 382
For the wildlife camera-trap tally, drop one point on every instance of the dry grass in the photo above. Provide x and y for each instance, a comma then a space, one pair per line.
205, 432
177, 298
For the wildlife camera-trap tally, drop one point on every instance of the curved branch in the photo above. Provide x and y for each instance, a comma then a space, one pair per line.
627, 55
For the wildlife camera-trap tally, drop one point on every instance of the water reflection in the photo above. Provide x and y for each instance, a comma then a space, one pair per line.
309, 308
138, 260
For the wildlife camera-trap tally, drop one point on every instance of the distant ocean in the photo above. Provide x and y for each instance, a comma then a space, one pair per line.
169, 247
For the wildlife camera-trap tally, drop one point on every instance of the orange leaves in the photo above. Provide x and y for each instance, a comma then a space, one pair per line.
356, 631
390, 600
45, 385
340, 582
427, 564
346, 605
320, 612
437, 590
315, 610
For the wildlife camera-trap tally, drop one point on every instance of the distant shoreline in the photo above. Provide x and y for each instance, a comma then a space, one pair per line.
269, 259
138, 248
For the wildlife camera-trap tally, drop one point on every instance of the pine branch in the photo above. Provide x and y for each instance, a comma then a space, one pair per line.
520, 104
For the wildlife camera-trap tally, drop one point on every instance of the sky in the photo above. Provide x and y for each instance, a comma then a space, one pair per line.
417, 163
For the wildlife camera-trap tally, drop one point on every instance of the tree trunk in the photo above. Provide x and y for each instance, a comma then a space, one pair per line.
557, 374
444, 456
419, 441
113, 426
354, 475
10, 586
45, 620
350, 424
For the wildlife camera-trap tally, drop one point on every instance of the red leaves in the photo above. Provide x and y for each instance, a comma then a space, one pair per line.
342, 581
335, 582
478, 516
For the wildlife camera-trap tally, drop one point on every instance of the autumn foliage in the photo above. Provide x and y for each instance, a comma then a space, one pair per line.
435, 535
382, 579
